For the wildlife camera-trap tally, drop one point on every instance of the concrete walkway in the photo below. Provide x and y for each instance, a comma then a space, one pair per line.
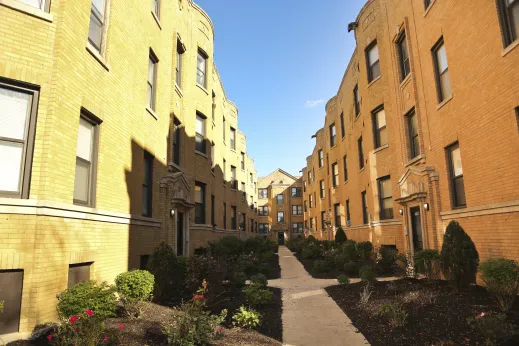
310, 316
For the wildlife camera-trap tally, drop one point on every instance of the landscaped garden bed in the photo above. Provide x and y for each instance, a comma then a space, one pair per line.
437, 314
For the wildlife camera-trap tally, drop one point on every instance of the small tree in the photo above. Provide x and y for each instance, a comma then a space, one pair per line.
169, 272
427, 263
459, 257
340, 236
502, 279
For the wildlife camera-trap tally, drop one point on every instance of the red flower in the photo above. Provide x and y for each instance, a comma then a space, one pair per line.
106, 339
185, 330
72, 319
198, 297
49, 337
89, 312
121, 326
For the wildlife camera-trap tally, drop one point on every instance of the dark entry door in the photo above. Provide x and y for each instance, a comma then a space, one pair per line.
11, 283
416, 225
180, 234
281, 238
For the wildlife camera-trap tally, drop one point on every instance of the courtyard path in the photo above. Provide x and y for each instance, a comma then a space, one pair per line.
310, 316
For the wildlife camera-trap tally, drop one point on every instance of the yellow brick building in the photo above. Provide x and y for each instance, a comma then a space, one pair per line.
115, 134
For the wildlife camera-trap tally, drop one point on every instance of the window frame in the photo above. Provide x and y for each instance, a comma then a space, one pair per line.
201, 135
282, 199
320, 157
201, 53
242, 162
371, 76
365, 213
343, 127
234, 218
263, 210
323, 220
177, 141
382, 198
452, 178
148, 159
152, 103
282, 214
232, 138
322, 188
427, 4
95, 122
181, 49
261, 194
200, 219
437, 75
335, 174
30, 134
299, 227
345, 167
360, 148
348, 215
377, 131
234, 180
506, 23
44, 6
414, 146
102, 19
405, 70
297, 210
333, 135
311, 200
356, 99
337, 215
296, 194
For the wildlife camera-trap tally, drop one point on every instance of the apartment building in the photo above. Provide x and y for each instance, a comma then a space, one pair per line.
424, 129
280, 206
115, 134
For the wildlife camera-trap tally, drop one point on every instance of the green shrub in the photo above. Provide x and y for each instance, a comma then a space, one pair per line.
267, 256
1, 306
343, 280
248, 267
340, 236
321, 266
240, 278
264, 268
135, 285
84, 329
228, 247
427, 262
459, 257
99, 298
259, 245
259, 280
295, 245
169, 272
327, 244
364, 249
340, 261
387, 260
311, 251
311, 239
493, 327
502, 279
255, 295
352, 268
246, 318
367, 274
216, 272
394, 313
349, 249
329, 257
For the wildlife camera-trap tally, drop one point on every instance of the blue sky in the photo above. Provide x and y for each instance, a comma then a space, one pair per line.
281, 61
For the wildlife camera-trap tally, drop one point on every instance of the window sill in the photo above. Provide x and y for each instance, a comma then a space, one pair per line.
153, 114
178, 90
373, 81
233, 150
429, 8
363, 168
444, 102
346, 182
100, 59
333, 146
420, 158
405, 81
173, 164
203, 88
510, 48
27, 9
157, 20
201, 154
357, 116
381, 148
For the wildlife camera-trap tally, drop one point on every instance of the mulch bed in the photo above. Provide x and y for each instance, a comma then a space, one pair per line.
443, 322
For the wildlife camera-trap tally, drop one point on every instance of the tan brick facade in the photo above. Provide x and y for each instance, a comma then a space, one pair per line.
479, 116
47, 52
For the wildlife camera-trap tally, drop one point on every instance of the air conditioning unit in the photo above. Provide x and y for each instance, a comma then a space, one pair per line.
348, 223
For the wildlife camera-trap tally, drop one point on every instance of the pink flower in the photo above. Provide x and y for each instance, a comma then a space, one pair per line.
106, 339
72, 319
49, 337
481, 315
121, 326
89, 312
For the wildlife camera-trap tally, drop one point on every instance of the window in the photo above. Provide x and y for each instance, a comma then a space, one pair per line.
251, 223
251, 178
456, 176
224, 164
443, 83
263, 228
323, 220
310, 178
373, 62
181, 49
78, 273
212, 157
213, 108
427, 3
201, 66
412, 128
223, 129
348, 216
213, 222
345, 167
321, 188
385, 196
152, 80
39, 4
233, 218
311, 200
233, 138
176, 142
517, 117
321, 159
311, 223
280, 199
296, 192
147, 185
364, 207
281, 217
333, 135
242, 222
509, 16
263, 193
337, 214
305, 204
356, 98
234, 182
243, 193
343, 129
156, 7
361, 153
335, 170
224, 215
17, 127
304, 183
199, 203
379, 127
200, 133
96, 30
297, 210
86, 161
297, 227
263, 210
242, 161
403, 57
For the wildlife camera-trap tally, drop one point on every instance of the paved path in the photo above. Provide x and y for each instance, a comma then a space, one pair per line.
310, 316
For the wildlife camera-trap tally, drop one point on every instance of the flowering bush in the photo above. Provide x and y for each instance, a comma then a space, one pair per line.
84, 329
191, 325
493, 327
246, 318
